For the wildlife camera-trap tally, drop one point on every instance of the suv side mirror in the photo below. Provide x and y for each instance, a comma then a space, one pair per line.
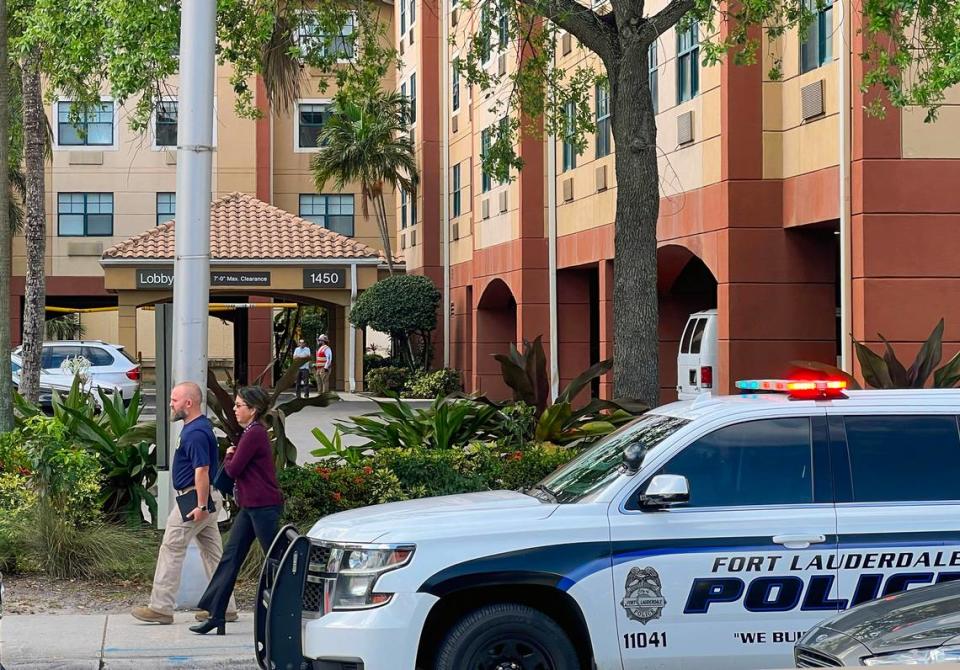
665, 491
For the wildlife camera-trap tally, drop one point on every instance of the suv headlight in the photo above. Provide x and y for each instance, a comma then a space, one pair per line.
355, 569
945, 654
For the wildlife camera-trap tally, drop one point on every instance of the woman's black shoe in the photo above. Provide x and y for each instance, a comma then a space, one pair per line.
209, 625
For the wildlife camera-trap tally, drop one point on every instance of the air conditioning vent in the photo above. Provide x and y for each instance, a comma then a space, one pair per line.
685, 128
485, 208
454, 125
403, 240
601, 177
413, 237
455, 16
170, 157
455, 231
86, 158
502, 64
568, 189
811, 100
565, 44
503, 202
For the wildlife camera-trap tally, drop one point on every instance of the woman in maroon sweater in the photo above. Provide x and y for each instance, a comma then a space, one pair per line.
250, 463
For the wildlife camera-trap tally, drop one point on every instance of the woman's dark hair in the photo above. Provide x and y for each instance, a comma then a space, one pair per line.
256, 398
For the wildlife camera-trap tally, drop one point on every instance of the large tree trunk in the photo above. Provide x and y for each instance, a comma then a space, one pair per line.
6, 250
636, 372
34, 131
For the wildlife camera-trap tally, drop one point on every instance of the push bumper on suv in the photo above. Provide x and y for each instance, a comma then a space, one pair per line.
295, 624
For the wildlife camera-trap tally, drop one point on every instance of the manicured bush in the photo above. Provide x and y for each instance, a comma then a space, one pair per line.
315, 490
387, 380
374, 361
434, 384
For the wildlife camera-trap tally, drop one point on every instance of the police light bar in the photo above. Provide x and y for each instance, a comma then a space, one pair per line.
797, 388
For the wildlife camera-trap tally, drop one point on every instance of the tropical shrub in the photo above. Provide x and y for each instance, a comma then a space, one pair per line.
374, 361
387, 380
561, 422
434, 384
125, 449
316, 490
888, 372
446, 423
405, 307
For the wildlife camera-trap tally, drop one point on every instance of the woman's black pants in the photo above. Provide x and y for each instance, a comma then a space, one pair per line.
260, 523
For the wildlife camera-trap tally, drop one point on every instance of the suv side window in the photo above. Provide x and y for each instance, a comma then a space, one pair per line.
903, 458
53, 356
97, 356
765, 462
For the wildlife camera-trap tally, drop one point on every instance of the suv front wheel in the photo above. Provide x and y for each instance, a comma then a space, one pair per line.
507, 636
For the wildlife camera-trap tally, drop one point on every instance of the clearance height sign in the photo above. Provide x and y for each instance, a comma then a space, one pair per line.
163, 278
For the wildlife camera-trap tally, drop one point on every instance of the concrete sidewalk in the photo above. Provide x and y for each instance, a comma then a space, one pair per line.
120, 642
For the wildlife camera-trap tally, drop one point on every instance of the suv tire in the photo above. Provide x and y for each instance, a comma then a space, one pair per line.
507, 636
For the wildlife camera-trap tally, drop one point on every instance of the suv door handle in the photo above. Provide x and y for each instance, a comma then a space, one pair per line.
798, 541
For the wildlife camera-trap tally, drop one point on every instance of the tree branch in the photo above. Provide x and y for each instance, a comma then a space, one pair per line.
598, 35
668, 17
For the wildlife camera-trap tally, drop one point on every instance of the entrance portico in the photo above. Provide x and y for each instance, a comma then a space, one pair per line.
258, 254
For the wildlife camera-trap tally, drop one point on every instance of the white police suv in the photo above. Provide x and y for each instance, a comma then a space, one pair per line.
707, 533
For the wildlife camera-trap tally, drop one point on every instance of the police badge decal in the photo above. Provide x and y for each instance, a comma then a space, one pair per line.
643, 600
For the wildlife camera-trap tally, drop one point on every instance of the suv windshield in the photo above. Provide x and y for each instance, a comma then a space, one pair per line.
593, 469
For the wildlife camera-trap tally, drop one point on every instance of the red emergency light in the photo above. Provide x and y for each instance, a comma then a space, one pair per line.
798, 389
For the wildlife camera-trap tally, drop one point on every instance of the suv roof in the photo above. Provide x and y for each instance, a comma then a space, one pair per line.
706, 405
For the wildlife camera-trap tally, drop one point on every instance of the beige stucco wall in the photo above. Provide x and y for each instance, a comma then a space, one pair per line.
938, 139
792, 146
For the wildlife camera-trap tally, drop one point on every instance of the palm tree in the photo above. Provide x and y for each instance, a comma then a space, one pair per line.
367, 143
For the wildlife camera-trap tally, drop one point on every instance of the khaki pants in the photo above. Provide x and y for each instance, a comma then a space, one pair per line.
323, 380
166, 580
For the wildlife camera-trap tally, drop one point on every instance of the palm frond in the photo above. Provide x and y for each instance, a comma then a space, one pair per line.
283, 72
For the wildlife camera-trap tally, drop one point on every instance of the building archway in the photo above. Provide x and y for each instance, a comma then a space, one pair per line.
495, 331
685, 284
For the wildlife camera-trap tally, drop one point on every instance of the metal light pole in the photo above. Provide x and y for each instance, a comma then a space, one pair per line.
191, 269
191, 285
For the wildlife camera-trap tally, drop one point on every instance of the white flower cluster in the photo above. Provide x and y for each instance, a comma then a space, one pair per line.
78, 366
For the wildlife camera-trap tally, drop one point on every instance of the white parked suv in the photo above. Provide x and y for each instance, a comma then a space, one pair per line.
110, 366
707, 533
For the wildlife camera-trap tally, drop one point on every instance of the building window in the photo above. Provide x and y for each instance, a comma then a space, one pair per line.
503, 27
486, 50
413, 207
816, 48
413, 12
403, 208
455, 189
604, 131
569, 150
652, 80
403, 18
166, 207
94, 129
485, 182
455, 85
688, 66
333, 212
413, 98
309, 37
85, 214
310, 120
166, 123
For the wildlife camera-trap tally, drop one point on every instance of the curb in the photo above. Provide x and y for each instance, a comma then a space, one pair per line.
244, 662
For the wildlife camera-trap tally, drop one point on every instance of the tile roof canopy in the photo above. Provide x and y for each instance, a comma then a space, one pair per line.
242, 227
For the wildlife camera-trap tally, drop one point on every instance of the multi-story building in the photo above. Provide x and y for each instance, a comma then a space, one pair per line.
106, 184
750, 213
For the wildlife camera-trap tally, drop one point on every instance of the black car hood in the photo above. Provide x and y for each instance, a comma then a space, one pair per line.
925, 617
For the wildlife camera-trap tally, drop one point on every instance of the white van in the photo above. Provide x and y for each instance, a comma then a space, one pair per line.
697, 360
